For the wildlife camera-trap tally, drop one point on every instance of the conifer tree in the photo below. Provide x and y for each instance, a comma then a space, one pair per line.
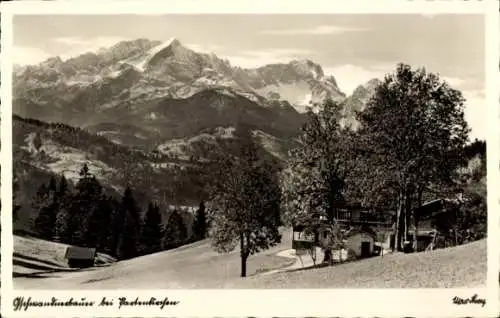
47, 210
129, 222
152, 232
63, 202
84, 209
200, 223
175, 231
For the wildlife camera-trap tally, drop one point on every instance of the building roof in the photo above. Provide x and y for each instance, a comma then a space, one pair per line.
75, 252
430, 208
354, 231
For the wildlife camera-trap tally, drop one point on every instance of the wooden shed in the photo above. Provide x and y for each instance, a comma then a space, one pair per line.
80, 257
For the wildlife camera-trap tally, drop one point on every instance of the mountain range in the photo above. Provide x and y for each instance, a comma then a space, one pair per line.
149, 106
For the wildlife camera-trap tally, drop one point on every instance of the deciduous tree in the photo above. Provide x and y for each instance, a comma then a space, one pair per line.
245, 201
313, 182
413, 132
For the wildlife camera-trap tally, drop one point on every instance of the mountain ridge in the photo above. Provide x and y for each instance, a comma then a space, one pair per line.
185, 71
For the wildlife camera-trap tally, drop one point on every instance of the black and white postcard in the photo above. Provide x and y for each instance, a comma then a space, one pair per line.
232, 160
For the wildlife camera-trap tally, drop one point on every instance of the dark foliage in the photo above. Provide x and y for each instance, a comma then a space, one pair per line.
129, 219
45, 204
200, 223
152, 231
85, 216
175, 231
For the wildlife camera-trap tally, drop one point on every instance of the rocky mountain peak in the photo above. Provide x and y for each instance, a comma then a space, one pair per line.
174, 42
365, 90
52, 62
308, 68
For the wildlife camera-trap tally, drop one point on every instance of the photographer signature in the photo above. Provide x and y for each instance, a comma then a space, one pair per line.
470, 300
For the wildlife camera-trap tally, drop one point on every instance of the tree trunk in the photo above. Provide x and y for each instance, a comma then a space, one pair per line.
405, 229
408, 212
400, 221
243, 255
415, 219
243, 266
396, 230
327, 256
119, 244
401, 229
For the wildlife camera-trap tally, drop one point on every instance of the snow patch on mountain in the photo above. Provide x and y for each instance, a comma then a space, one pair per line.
30, 143
299, 94
270, 143
225, 91
142, 65
307, 100
225, 132
152, 116
115, 74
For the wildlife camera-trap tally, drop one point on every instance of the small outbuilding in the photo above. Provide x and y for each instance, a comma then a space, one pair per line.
360, 242
80, 257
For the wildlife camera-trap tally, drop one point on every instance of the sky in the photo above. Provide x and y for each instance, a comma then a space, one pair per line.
352, 47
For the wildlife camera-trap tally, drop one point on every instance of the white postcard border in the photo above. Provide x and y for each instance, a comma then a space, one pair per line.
300, 302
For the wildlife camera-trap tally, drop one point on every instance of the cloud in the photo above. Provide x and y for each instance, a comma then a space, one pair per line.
23, 55
318, 30
465, 82
101, 41
75, 46
475, 110
256, 58
203, 48
349, 76
454, 82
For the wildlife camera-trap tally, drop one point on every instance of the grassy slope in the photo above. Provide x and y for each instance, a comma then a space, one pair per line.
198, 266
462, 266
192, 266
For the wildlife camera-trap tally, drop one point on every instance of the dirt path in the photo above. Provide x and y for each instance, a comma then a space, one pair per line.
299, 263
303, 261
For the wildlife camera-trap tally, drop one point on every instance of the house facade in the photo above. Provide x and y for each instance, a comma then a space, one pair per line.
357, 242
